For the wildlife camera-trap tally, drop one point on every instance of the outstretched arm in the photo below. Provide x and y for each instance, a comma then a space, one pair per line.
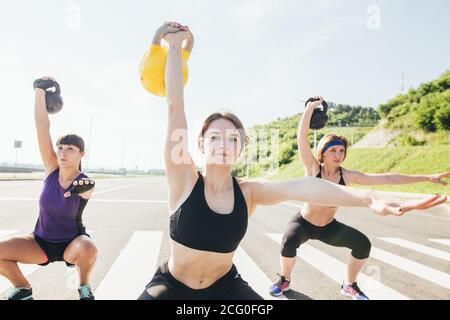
394, 178
322, 192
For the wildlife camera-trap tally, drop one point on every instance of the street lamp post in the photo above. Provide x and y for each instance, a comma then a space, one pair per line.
88, 156
89, 144
17, 146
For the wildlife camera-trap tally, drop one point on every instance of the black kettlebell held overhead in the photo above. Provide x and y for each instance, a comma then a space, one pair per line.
319, 118
53, 99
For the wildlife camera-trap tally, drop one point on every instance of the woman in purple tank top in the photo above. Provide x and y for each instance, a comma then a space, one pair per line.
59, 234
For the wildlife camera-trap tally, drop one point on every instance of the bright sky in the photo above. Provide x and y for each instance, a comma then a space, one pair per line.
255, 57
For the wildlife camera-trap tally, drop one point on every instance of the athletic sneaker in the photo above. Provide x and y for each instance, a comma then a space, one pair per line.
353, 291
85, 292
19, 294
282, 285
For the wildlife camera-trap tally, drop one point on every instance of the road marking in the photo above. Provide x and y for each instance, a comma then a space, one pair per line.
336, 270
419, 248
438, 277
251, 273
133, 269
129, 201
6, 232
17, 199
293, 204
114, 189
445, 242
26, 269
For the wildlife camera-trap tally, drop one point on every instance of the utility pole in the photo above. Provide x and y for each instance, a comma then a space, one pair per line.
402, 87
17, 146
89, 144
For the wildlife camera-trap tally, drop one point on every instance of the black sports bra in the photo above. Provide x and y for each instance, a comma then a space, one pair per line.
341, 181
196, 226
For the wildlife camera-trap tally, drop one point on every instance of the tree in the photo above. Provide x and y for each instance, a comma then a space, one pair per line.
433, 112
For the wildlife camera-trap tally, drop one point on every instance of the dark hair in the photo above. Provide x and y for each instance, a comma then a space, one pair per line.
73, 140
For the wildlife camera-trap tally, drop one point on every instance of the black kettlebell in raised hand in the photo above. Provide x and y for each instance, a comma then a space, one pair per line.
53, 99
319, 118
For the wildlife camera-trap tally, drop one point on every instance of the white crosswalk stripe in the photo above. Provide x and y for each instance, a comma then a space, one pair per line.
137, 263
336, 270
17, 199
419, 248
26, 269
293, 204
121, 282
133, 269
114, 189
5, 233
438, 277
251, 273
445, 242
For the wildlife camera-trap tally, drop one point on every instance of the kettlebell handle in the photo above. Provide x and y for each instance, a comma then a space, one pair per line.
57, 88
324, 105
188, 45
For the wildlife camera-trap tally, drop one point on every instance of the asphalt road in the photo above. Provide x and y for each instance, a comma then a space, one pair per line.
129, 222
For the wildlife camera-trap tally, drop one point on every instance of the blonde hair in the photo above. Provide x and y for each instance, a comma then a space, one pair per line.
327, 139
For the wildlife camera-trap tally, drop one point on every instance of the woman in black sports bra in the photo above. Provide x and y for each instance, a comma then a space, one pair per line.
318, 222
210, 210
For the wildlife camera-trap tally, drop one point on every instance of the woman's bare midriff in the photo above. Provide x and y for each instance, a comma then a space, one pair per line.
198, 269
318, 215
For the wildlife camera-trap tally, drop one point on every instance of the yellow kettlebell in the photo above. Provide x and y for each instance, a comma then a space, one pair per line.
153, 66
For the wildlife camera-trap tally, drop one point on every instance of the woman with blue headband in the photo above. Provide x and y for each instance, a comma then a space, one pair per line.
210, 209
318, 222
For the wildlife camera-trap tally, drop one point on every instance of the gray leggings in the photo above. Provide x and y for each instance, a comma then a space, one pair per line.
336, 234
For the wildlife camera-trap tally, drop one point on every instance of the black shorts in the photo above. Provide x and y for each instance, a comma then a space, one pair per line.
55, 250
229, 287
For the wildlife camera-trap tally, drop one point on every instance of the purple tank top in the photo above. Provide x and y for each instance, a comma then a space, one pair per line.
59, 218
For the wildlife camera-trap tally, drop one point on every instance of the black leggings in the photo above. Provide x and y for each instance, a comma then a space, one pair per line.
229, 287
336, 234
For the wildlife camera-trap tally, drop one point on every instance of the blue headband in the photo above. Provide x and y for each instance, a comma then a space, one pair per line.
332, 144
